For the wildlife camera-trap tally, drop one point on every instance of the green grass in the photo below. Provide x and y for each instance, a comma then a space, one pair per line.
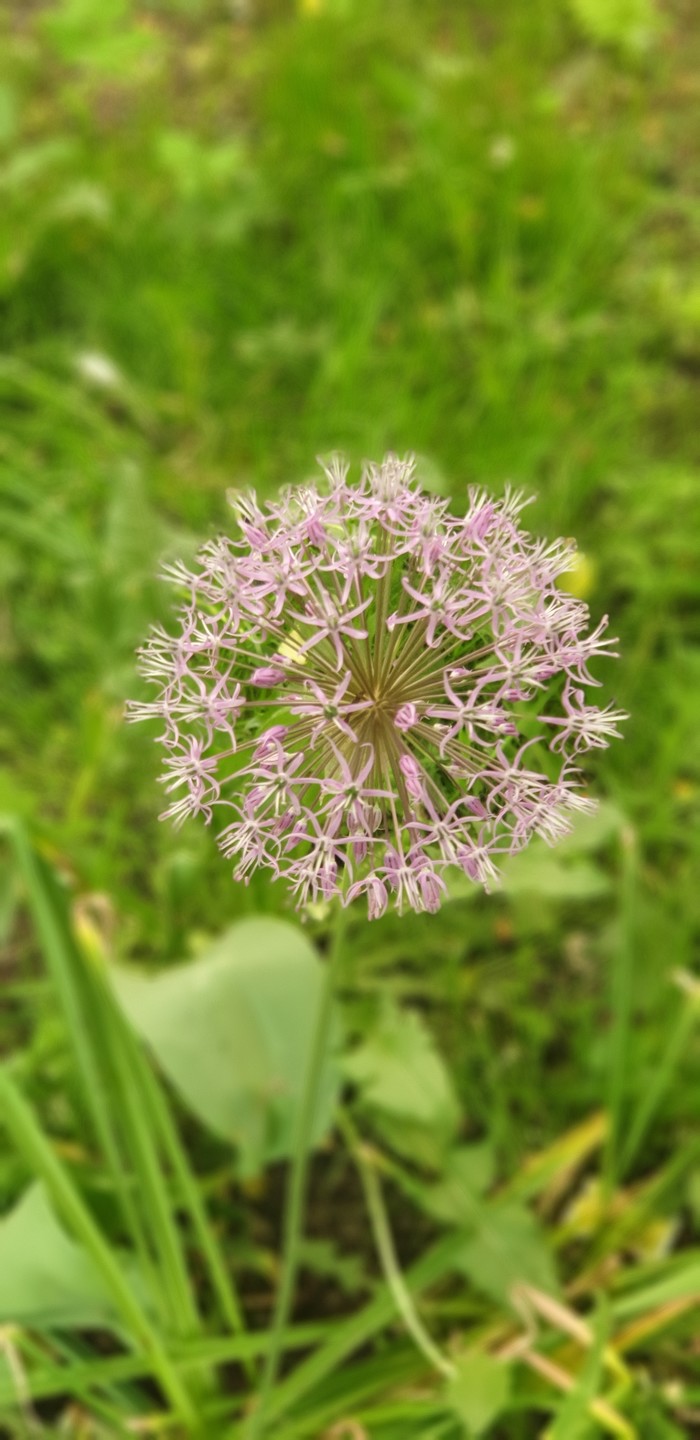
464, 230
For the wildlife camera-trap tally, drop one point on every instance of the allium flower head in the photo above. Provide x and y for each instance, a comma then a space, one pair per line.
372, 690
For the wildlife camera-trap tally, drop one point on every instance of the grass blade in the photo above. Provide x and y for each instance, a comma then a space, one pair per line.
66, 972
19, 1120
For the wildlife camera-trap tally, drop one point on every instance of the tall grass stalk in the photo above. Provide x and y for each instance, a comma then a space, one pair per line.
621, 1005
40, 1156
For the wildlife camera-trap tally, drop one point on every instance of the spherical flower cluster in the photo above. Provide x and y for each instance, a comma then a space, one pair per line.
372, 690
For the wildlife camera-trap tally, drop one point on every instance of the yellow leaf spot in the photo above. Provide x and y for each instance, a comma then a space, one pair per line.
580, 580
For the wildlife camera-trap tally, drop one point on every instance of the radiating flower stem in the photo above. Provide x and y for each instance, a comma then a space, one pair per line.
369, 657
296, 1195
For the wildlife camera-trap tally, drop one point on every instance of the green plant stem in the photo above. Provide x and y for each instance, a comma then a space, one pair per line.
296, 1195
386, 1251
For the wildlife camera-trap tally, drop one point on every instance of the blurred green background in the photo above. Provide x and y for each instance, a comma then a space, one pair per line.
236, 236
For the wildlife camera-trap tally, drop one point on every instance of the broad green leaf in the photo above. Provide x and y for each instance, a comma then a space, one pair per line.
468, 1173
541, 871
47, 1280
592, 832
565, 873
405, 1086
232, 1031
479, 1392
505, 1247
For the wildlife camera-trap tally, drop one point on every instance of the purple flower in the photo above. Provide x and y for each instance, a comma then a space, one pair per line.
425, 689
406, 716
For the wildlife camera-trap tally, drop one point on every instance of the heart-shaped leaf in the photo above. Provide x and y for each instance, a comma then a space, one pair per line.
478, 1392
232, 1031
47, 1280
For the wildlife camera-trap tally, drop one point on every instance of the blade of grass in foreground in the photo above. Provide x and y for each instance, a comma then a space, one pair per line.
574, 1411
152, 1131
361, 1386
143, 1150
357, 1331
100, 1044
73, 1356
19, 1120
117, 1080
49, 1379
66, 974
229, 1305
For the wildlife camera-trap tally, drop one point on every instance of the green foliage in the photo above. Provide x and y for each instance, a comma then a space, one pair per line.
467, 1175
404, 1086
231, 1029
544, 873
629, 24
99, 35
232, 238
504, 1247
479, 1392
48, 1282
573, 1421
564, 872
